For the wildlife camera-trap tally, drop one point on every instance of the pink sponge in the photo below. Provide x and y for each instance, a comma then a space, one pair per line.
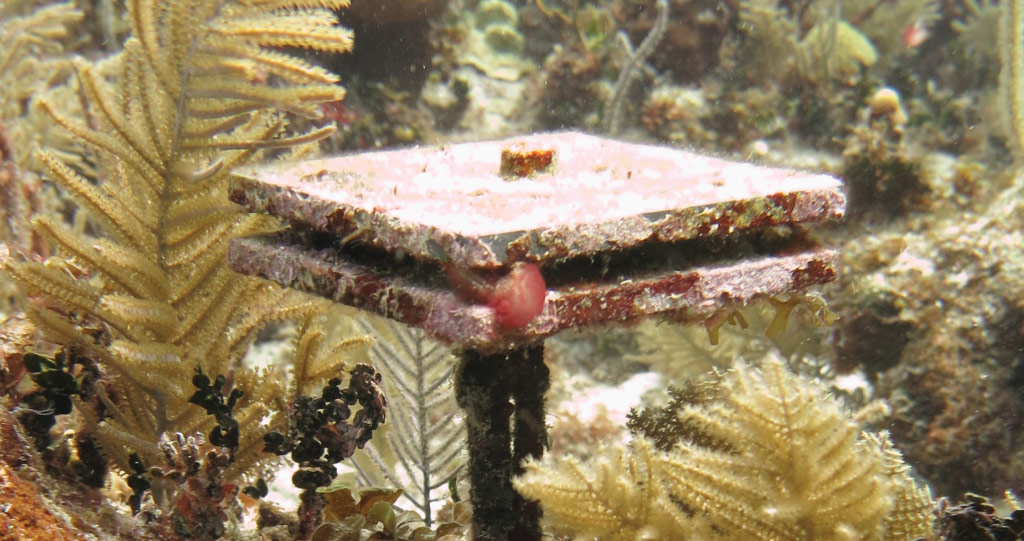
519, 296
516, 298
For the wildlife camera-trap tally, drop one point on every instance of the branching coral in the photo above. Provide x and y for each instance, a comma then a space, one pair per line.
632, 67
422, 449
32, 61
763, 455
200, 88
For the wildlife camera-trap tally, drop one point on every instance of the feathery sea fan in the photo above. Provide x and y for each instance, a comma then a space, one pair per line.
786, 462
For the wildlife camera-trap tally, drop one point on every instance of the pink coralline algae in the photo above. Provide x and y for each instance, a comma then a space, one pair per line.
600, 231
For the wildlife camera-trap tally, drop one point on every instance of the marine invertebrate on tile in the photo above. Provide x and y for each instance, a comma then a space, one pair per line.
762, 454
17, 334
516, 298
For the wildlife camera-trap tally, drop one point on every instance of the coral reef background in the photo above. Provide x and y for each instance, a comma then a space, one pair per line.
916, 104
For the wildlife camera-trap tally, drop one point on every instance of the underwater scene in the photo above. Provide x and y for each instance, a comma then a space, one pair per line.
353, 270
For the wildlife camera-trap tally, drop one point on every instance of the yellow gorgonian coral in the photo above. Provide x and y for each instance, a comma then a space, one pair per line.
788, 463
